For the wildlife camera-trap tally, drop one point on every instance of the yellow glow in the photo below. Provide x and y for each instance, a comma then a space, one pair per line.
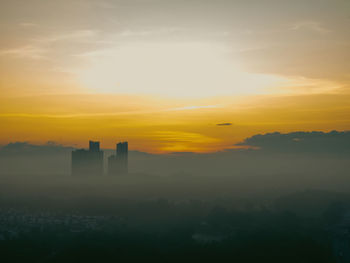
182, 69
166, 125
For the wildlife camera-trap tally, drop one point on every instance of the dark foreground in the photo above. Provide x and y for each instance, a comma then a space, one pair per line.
87, 223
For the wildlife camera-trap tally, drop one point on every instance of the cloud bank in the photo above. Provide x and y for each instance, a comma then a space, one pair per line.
301, 142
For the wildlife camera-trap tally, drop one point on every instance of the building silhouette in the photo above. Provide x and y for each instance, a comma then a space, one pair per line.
118, 163
94, 146
88, 162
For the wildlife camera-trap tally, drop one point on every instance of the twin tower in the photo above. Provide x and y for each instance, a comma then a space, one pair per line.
91, 162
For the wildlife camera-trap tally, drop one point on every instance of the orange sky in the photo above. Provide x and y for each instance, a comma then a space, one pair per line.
165, 78
160, 125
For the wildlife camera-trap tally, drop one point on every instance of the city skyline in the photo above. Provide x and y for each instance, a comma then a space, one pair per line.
91, 162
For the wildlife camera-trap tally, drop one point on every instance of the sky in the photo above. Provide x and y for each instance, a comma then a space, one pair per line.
172, 76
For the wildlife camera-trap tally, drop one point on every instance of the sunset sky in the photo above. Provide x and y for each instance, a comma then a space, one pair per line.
172, 75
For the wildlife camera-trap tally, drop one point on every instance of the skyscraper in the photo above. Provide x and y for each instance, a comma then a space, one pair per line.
118, 163
94, 146
88, 162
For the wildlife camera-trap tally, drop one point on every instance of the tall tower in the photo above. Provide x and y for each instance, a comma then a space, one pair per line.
88, 162
122, 156
118, 163
94, 146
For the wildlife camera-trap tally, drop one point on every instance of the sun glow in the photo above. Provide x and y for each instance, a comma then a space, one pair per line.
182, 69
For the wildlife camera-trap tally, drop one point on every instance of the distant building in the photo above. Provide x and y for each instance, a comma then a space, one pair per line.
94, 146
118, 163
88, 162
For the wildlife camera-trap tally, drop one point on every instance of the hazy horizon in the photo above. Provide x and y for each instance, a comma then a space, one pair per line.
231, 119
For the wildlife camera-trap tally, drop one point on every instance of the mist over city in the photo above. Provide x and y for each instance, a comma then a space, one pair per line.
175, 131
289, 188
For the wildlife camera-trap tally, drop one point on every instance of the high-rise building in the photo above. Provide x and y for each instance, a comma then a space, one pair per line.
88, 162
94, 146
118, 163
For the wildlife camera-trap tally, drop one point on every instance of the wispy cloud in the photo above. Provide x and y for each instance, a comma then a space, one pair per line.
72, 35
39, 47
28, 24
310, 25
195, 107
31, 52
157, 31
224, 124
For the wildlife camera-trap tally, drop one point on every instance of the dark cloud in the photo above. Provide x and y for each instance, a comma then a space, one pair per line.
224, 124
301, 142
27, 158
23, 148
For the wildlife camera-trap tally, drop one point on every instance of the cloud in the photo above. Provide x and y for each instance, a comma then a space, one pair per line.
32, 52
24, 148
194, 107
40, 48
74, 35
28, 24
224, 124
301, 142
310, 25
161, 30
